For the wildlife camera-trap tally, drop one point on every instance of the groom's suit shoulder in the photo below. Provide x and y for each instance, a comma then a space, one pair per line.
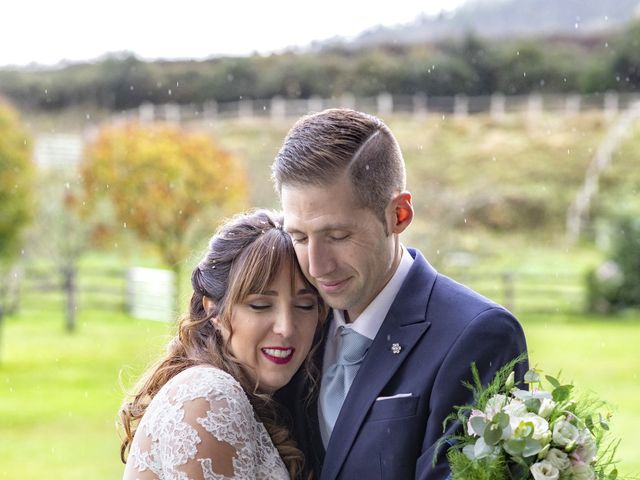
444, 296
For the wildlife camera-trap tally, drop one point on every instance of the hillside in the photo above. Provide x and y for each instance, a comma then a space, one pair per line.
505, 18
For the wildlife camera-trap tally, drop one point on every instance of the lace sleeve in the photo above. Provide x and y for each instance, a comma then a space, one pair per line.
201, 426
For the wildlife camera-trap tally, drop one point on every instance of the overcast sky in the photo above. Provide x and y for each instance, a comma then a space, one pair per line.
48, 31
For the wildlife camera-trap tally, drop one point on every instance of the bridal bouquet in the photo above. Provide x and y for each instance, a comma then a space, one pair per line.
513, 434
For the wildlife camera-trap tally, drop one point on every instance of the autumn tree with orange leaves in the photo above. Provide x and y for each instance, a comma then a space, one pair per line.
167, 185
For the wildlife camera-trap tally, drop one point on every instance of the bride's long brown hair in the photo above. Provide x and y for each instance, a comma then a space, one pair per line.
244, 257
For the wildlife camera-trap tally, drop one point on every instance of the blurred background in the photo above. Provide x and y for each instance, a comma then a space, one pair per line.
129, 130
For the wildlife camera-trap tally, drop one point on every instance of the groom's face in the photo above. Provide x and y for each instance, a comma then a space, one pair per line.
342, 248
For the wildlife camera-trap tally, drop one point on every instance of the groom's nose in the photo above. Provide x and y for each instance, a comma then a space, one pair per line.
320, 258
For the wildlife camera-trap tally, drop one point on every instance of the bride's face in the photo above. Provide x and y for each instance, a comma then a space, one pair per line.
273, 330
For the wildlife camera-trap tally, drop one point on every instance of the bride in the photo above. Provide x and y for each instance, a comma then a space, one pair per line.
205, 410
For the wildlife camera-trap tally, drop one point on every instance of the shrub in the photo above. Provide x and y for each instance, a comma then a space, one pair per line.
616, 283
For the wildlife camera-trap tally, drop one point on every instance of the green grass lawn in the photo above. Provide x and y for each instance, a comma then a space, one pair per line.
60, 392
600, 356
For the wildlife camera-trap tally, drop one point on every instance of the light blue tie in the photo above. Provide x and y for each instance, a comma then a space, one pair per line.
338, 378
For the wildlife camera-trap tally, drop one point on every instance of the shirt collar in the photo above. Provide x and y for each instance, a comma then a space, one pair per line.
369, 321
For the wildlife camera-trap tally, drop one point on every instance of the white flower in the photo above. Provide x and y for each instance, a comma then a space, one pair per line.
515, 408
587, 449
544, 471
564, 433
546, 407
495, 405
582, 471
558, 459
529, 424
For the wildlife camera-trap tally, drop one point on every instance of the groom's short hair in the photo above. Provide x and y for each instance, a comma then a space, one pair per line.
319, 148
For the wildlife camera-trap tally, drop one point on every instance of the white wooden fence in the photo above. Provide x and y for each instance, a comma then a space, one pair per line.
419, 105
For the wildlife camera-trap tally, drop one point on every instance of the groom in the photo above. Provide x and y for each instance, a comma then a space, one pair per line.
401, 337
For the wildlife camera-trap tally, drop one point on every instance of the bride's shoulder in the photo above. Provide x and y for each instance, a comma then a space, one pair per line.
206, 381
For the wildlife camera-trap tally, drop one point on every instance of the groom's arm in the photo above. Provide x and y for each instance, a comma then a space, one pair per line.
491, 339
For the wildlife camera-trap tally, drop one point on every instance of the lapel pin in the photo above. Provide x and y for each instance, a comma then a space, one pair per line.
396, 348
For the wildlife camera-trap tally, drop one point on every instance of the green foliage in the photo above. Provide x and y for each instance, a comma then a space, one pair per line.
615, 284
15, 182
625, 64
481, 470
472, 65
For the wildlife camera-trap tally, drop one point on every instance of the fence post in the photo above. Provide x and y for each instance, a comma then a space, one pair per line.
385, 104
347, 100
172, 113
278, 108
610, 105
497, 106
315, 104
146, 112
460, 106
420, 108
210, 110
245, 108
572, 104
534, 107
508, 283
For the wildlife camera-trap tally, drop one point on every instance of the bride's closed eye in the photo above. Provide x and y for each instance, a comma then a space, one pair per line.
258, 307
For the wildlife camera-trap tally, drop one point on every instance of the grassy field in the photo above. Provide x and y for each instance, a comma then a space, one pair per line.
60, 392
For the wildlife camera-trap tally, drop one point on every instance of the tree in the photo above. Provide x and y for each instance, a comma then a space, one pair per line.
15, 191
61, 233
165, 184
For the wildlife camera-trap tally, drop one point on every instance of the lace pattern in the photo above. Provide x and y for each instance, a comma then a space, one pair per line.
201, 426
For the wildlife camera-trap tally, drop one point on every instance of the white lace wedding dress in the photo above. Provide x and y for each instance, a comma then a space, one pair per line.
201, 426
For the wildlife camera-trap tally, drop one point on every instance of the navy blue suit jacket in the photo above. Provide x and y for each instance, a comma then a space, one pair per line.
441, 327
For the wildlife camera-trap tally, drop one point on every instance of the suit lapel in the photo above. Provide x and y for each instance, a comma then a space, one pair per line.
404, 325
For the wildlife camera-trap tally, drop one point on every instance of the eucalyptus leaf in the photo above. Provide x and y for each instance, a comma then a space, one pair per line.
531, 447
493, 434
533, 404
561, 394
603, 423
514, 447
478, 424
501, 419
553, 381
589, 423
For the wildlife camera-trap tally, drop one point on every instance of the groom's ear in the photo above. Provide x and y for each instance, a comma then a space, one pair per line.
401, 212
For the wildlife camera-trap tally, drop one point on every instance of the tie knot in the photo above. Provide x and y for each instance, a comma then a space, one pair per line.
353, 346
